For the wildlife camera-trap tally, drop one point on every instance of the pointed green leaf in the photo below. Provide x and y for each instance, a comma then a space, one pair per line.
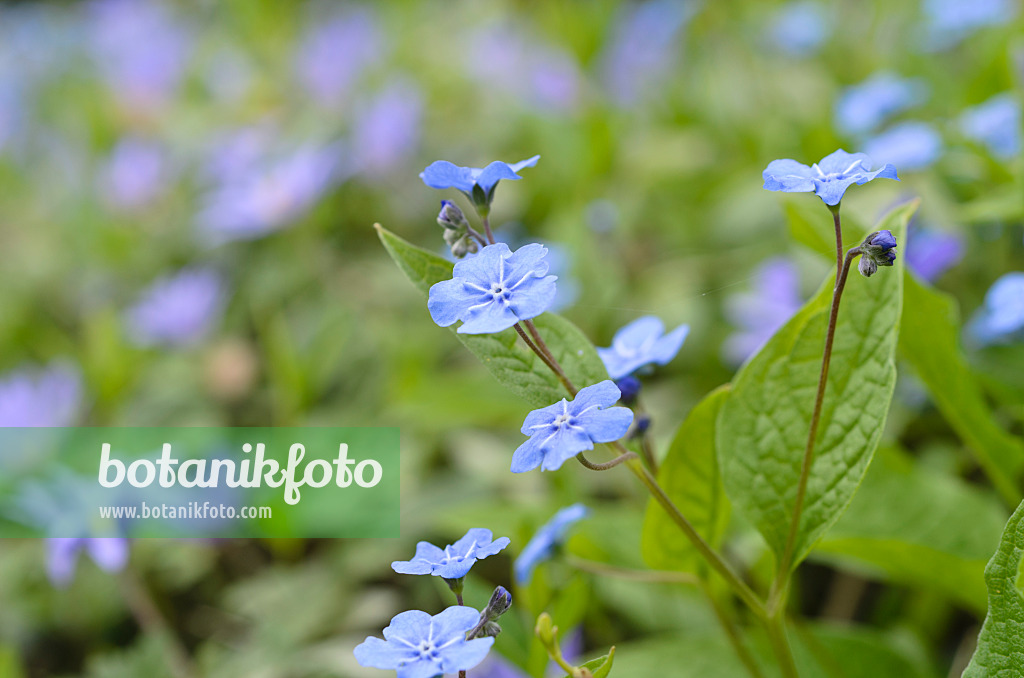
930, 342
941, 541
602, 666
1000, 652
689, 474
502, 353
763, 425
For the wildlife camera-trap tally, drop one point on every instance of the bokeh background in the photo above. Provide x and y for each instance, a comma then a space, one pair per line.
187, 194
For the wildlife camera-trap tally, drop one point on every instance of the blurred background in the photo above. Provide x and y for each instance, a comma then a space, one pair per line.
187, 193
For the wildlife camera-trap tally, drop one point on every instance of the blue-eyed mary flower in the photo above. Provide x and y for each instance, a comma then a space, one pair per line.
947, 22
861, 108
550, 535
494, 290
909, 145
417, 645
455, 560
1001, 319
995, 124
878, 249
930, 253
109, 553
641, 343
561, 431
757, 314
800, 28
828, 179
477, 184
50, 396
178, 310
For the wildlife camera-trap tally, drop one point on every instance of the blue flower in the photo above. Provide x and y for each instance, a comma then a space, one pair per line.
931, 253
800, 28
996, 124
109, 553
40, 397
494, 290
179, 310
758, 314
417, 645
477, 184
641, 343
950, 21
559, 432
862, 108
334, 52
544, 541
455, 560
386, 131
878, 249
829, 179
135, 174
908, 145
1002, 317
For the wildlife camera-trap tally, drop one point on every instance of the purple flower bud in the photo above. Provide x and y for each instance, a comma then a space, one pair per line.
630, 388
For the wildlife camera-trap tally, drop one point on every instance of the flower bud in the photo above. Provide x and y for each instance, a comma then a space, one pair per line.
878, 249
640, 427
545, 630
490, 629
867, 266
451, 217
629, 387
500, 601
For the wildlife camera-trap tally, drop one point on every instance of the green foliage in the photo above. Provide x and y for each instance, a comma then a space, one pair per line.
763, 425
689, 475
1000, 652
600, 667
929, 341
512, 364
916, 526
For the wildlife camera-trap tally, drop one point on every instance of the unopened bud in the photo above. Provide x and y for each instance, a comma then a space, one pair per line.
500, 601
867, 266
451, 217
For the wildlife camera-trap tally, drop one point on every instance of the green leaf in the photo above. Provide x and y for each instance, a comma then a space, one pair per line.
1000, 652
502, 354
940, 542
602, 666
929, 341
689, 474
809, 230
763, 425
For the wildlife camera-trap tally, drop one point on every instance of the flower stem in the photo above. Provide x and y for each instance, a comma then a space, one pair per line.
839, 238
546, 358
487, 229
476, 235
625, 456
552, 362
780, 645
780, 586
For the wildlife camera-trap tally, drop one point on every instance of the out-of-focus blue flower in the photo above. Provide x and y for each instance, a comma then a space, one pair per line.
862, 108
417, 645
506, 62
907, 145
477, 184
12, 113
109, 553
135, 174
947, 22
641, 343
333, 54
1001, 319
800, 28
828, 179
177, 310
40, 397
543, 544
643, 48
561, 431
759, 313
141, 50
494, 290
386, 131
996, 124
270, 193
930, 253
455, 560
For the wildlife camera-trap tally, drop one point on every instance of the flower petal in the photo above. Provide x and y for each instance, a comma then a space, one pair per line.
449, 299
533, 297
466, 545
443, 174
488, 318
464, 656
527, 456
452, 622
494, 173
604, 426
666, 348
601, 394
378, 654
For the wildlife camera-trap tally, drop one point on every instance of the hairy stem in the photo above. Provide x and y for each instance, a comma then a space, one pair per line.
780, 645
476, 235
546, 357
487, 229
625, 456
782, 576
552, 362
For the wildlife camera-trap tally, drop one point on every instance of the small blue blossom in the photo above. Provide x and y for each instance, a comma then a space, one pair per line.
800, 28
417, 645
995, 124
477, 184
759, 313
931, 253
908, 145
386, 130
46, 397
630, 387
545, 540
641, 343
828, 179
950, 21
862, 108
109, 553
455, 560
135, 174
334, 52
559, 432
1001, 319
178, 310
494, 290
